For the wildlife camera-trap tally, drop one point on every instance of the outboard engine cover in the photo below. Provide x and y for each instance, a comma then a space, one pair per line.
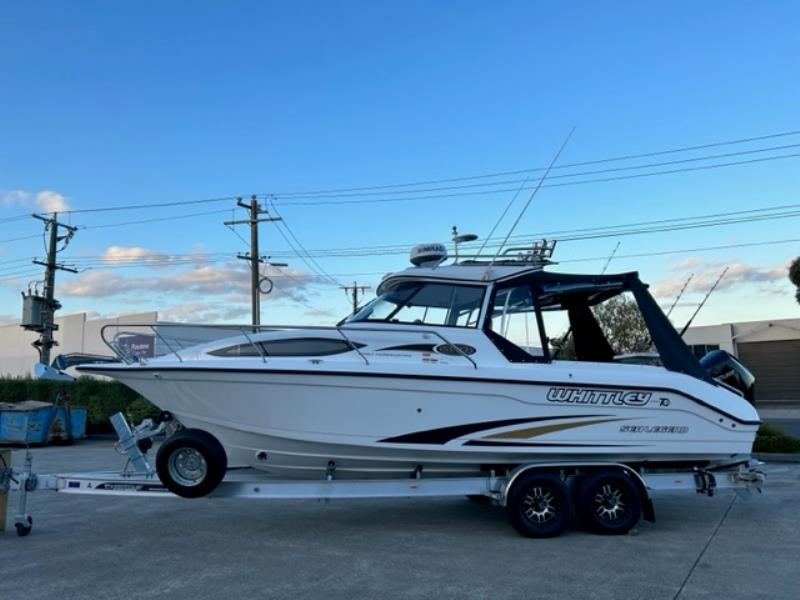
728, 370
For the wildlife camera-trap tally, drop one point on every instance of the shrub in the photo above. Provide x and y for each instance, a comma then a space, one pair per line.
772, 439
100, 398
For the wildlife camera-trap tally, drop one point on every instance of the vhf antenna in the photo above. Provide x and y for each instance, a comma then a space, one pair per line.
528, 203
713, 287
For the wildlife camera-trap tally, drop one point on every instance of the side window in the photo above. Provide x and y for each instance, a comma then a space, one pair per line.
289, 347
514, 318
558, 333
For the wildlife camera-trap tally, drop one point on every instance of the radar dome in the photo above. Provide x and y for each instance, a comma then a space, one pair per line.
428, 255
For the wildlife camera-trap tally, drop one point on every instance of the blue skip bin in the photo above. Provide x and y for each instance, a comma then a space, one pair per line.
29, 422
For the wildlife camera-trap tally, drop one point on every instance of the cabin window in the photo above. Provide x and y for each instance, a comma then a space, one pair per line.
423, 303
289, 347
597, 323
513, 316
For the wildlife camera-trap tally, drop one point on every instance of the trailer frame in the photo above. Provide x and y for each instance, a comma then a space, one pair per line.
139, 479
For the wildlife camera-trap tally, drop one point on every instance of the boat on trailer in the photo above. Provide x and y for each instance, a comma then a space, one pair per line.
451, 372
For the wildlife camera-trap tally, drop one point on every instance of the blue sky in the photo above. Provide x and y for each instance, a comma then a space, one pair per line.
111, 104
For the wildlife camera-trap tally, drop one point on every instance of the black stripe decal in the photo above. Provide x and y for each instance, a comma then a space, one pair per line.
110, 371
445, 434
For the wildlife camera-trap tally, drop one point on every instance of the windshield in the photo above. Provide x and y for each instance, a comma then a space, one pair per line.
418, 302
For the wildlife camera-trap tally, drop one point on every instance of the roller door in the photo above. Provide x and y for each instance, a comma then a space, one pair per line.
776, 366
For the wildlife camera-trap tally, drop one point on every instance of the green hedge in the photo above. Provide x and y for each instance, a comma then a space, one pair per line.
772, 439
101, 398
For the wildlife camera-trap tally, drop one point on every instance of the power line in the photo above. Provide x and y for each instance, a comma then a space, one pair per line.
301, 302
292, 202
19, 239
312, 264
564, 176
579, 235
150, 205
155, 220
686, 250
564, 166
289, 196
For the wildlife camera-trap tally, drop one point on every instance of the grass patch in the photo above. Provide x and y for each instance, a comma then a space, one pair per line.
101, 398
771, 439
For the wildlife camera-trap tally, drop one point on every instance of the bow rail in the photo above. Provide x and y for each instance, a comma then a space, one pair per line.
129, 339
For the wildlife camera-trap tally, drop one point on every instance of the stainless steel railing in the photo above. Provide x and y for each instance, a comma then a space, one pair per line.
116, 342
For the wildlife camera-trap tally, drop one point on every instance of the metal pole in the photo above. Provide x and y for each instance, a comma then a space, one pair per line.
254, 261
49, 293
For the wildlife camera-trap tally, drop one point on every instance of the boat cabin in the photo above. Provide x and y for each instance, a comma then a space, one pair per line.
529, 314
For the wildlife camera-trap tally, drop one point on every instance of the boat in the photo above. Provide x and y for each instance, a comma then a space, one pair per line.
451, 370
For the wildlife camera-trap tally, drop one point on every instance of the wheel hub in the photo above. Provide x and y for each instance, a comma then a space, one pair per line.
539, 504
609, 503
187, 466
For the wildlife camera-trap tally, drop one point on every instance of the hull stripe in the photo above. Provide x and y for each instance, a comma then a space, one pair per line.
443, 435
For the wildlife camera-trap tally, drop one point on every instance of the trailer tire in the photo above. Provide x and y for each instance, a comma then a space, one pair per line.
608, 502
539, 504
191, 463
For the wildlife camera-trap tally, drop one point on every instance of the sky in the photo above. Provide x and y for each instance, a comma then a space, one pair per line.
108, 105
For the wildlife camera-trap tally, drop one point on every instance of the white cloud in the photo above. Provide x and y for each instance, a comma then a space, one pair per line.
46, 200
123, 254
206, 312
14, 198
50, 201
230, 282
705, 273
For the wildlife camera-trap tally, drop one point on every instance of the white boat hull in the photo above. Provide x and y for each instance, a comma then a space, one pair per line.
293, 423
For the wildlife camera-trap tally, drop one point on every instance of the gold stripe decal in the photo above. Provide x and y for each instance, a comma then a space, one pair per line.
530, 432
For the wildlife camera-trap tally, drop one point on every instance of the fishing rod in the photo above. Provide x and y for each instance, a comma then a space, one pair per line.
611, 256
683, 289
699, 306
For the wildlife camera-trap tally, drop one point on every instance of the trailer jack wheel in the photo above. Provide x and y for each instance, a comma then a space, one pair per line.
191, 463
25, 527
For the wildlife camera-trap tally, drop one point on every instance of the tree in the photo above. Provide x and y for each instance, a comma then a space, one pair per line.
622, 324
794, 276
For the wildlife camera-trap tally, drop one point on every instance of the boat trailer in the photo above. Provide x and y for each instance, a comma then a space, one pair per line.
139, 478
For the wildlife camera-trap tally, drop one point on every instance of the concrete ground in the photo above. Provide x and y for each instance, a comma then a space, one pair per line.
87, 547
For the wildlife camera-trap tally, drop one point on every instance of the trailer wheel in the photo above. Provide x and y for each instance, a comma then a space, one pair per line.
24, 529
608, 502
539, 505
191, 463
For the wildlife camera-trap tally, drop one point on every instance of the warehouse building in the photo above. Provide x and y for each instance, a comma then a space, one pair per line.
770, 349
75, 333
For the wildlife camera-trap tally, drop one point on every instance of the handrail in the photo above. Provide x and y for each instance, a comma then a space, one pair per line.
352, 345
247, 330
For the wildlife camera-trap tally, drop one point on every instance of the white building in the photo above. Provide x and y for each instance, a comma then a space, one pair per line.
76, 333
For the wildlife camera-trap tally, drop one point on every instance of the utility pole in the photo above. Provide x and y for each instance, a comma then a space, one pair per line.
39, 311
254, 257
355, 289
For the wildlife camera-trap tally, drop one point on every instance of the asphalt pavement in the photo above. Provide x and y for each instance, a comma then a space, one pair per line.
728, 546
